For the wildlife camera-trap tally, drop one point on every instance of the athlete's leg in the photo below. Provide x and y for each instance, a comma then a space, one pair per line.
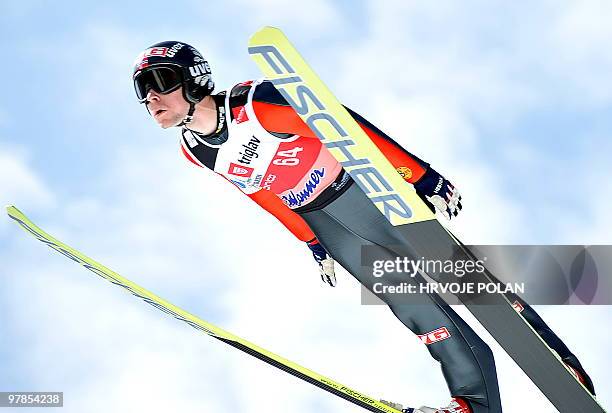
351, 222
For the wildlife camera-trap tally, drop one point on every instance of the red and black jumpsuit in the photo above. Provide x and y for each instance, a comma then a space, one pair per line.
264, 148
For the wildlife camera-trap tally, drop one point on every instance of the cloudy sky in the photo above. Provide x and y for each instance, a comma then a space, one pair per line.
510, 101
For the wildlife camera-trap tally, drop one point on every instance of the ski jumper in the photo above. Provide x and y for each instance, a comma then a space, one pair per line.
263, 147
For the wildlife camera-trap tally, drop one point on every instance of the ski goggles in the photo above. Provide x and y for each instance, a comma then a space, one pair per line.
161, 79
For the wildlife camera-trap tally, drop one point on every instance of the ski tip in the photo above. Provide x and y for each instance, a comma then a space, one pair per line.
265, 31
269, 29
13, 212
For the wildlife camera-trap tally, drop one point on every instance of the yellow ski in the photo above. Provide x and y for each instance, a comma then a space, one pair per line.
275, 360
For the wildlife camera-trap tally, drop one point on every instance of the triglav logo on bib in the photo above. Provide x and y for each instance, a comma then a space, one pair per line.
249, 151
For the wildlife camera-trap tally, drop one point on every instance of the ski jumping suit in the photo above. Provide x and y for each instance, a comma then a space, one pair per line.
264, 148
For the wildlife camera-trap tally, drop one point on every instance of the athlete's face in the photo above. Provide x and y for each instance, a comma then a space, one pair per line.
168, 110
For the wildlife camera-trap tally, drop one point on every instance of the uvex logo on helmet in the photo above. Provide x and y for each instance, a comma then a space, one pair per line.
200, 73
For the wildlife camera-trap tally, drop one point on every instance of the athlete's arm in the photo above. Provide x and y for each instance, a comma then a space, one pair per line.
296, 224
277, 116
275, 206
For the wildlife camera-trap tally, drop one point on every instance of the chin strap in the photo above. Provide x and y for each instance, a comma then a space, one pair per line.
146, 104
189, 117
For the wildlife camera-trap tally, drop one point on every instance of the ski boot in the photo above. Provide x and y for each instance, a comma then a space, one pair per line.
578, 372
457, 405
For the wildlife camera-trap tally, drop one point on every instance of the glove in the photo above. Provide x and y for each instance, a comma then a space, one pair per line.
326, 263
439, 194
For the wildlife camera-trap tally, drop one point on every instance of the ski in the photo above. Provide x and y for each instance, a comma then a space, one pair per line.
282, 64
325, 383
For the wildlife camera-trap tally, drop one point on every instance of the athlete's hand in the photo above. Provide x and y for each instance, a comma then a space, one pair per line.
326, 263
438, 193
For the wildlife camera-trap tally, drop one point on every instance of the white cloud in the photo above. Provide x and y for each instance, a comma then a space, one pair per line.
85, 338
590, 222
15, 10
579, 35
20, 183
316, 17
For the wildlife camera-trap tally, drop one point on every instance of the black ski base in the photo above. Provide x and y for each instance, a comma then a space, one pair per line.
497, 315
